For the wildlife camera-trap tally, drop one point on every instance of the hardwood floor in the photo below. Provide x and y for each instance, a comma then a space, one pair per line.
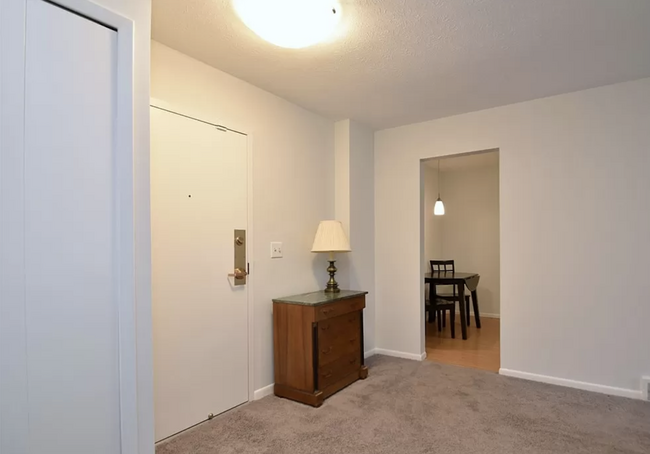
481, 350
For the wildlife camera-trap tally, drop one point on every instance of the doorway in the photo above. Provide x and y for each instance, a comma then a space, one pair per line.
199, 220
465, 233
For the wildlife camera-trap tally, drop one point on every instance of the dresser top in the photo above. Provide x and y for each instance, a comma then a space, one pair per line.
318, 298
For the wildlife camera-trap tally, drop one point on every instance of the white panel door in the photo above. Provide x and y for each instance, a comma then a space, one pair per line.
71, 267
198, 199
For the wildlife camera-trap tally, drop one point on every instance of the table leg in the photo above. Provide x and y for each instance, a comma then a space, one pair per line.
477, 316
463, 316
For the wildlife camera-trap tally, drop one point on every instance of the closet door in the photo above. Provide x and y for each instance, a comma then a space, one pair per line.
71, 233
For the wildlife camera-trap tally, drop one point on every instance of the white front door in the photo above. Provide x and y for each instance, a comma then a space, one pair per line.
200, 316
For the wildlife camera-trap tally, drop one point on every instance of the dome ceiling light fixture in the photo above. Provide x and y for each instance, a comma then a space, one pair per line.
290, 23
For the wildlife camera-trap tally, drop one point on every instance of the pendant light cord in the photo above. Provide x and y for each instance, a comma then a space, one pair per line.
438, 177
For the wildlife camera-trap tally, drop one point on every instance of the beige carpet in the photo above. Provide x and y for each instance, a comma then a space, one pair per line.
423, 407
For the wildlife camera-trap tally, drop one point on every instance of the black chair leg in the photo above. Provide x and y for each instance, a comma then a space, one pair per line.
452, 321
439, 320
443, 313
467, 307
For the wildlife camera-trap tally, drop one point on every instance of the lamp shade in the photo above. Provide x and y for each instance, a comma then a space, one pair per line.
439, 208
330, 237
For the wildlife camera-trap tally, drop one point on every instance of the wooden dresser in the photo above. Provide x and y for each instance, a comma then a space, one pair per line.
318, 344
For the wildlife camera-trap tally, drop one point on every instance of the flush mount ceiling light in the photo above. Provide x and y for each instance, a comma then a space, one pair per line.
290, 23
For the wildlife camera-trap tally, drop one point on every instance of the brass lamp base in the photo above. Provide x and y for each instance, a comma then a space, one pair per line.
332, 285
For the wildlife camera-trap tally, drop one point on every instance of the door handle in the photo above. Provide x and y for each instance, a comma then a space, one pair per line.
238, 274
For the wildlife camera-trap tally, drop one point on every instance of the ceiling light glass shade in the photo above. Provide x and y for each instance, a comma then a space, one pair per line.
290, 23
439, 208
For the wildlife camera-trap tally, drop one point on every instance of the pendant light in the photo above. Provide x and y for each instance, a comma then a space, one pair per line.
439, 207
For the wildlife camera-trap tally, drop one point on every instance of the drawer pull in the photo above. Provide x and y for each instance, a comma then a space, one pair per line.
352, 319
325, 327
327, 351
352, 340
353, 360
326, 311
328, 374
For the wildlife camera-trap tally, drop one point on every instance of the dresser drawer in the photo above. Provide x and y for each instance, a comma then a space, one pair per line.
338, 369
334, 328
339, 308
335, 349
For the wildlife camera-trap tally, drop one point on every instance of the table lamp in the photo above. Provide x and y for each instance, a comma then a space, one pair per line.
331, 238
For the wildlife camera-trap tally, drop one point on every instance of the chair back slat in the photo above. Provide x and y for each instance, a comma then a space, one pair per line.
442, 265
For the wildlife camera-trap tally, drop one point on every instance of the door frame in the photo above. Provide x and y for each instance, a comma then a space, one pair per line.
133, 422
201, 116
424, 264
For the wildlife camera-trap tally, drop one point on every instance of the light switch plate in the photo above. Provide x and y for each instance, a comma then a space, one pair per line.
276, 250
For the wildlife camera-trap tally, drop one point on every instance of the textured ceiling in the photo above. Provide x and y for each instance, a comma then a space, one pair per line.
394, 62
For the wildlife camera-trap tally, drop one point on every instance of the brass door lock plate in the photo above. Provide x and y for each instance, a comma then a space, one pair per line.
240, 258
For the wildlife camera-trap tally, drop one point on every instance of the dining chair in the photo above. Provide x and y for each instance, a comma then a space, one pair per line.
449, 266
437, 307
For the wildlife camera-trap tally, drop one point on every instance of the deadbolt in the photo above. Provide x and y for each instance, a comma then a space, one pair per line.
239, 241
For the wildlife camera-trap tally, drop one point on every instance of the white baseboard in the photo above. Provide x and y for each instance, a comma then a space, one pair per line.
610, 390
396, 354
645, 388
263, 392
483, 314
370, 353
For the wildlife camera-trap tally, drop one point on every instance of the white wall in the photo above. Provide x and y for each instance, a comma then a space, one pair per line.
13, 415
140, 12
469, 231
354, 206
342, 195
293, 174
432, 223
575, 250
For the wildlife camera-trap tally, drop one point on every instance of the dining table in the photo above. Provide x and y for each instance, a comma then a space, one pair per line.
461, 280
